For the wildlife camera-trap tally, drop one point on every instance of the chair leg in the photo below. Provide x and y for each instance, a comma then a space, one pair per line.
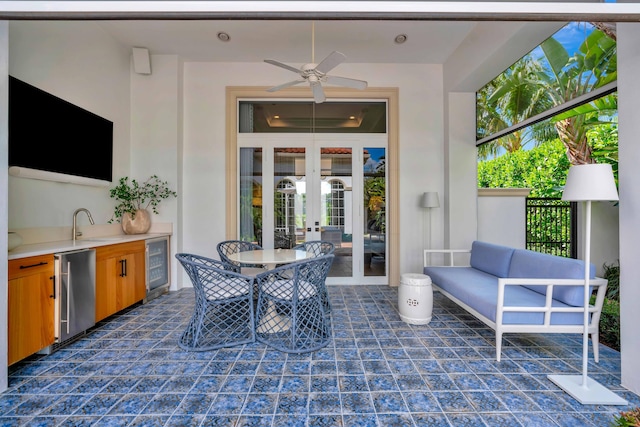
498, 345
595, 340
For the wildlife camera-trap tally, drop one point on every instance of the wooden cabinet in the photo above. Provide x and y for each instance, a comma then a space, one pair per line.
120, 277
31, 306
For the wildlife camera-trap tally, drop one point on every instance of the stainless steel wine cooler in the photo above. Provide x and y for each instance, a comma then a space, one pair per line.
158, 270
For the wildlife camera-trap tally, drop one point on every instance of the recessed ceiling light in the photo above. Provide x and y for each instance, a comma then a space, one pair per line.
224, 37
401, 38
352, 117
276, 116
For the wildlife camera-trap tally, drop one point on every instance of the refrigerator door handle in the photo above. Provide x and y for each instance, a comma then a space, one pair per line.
68, 293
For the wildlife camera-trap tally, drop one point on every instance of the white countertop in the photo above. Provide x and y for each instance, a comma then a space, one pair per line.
24, 251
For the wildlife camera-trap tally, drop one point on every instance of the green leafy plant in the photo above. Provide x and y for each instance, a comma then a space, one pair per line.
610, 324
627, 419
612, 274
132, 195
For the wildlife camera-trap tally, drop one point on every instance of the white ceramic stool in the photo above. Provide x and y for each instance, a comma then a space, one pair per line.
415, 299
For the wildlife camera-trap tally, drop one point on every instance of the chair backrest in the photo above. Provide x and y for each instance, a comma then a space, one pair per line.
228, 247
297, 280
317, 247
212, 279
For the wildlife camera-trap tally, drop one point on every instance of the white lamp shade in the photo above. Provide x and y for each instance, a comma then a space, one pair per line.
590, 182
430, 200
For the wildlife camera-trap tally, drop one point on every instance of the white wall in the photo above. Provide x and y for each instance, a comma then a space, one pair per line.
421, 136
629, 187
605, 233
502, 216
156, 136
78, 62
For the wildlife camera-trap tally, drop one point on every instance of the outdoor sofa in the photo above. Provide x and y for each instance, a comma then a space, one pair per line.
519, 291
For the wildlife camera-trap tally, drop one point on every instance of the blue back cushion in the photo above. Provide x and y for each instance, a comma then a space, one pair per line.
525, 263
491, 258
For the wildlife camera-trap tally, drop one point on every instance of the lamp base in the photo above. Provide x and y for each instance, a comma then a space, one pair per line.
593, 394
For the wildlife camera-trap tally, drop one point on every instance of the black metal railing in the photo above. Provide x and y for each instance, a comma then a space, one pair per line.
552, 226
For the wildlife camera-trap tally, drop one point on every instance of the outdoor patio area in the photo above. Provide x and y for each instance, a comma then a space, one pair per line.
377, 371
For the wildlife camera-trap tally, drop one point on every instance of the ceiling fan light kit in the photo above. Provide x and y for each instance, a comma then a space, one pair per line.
316, 74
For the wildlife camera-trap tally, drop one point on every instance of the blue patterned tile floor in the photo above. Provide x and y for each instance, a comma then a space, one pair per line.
377, 371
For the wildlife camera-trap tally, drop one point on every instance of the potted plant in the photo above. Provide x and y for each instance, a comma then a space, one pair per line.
627, 419
134, 199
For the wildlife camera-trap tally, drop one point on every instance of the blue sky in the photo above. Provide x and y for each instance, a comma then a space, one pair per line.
570, 36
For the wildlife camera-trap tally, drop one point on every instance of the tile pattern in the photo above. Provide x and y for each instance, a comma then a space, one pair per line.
377, 371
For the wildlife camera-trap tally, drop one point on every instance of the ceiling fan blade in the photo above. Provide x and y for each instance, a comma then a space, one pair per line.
344, 81
318, 93
282, 65
334, 59
284, 85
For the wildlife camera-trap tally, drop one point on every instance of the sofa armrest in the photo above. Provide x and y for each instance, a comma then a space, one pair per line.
450, 252
598, 283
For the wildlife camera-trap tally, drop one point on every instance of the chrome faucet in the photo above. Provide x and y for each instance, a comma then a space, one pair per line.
75, 215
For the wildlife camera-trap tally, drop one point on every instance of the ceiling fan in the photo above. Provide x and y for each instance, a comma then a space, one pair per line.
316, 74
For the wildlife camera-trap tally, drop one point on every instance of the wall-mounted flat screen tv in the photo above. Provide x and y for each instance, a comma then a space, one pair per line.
50, 134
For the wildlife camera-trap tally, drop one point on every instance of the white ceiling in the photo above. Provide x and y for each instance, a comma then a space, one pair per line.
290, 41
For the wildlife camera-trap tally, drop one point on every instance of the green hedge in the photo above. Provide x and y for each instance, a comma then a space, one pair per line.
610, 323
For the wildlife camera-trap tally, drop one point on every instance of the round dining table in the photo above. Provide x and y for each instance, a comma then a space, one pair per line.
271, 258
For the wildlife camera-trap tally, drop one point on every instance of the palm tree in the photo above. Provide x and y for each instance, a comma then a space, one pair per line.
532, 86
509, 99
592, 67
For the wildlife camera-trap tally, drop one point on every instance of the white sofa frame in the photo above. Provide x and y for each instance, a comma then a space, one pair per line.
599, 284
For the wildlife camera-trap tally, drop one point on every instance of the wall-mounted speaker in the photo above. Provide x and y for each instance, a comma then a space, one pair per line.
141, 60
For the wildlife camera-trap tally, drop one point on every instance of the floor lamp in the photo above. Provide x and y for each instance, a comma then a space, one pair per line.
429, 201
586, 183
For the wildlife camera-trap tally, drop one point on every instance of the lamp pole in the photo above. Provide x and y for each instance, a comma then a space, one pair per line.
586, 183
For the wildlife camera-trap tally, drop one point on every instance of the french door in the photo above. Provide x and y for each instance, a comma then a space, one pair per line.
300, 187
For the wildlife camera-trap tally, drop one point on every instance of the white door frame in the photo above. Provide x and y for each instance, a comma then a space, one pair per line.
390, 95
312, 145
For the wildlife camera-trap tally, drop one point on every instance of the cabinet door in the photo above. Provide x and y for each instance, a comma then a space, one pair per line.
31, 306
106, 278
120, 277
131, 287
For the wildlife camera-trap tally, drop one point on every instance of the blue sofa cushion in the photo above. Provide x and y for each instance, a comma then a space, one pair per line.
479, 291
530, 264
491, 258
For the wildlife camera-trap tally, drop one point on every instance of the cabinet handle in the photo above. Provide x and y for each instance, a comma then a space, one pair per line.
123, 268
22, 267
53, 282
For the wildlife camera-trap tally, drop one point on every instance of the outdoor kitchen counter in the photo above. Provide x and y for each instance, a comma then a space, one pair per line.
44, 248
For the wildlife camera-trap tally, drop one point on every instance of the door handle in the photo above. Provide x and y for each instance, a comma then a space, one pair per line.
69, 287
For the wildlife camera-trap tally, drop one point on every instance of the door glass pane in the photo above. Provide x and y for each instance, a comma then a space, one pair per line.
336, 207
250, 208
289, 199
375, 219
309, 117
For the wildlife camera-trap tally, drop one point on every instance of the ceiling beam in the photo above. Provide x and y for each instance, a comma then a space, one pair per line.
334, 10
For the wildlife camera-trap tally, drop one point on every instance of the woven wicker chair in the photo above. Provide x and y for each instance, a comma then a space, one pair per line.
234, 246
290, 315
224, 309
316, 247
319, 248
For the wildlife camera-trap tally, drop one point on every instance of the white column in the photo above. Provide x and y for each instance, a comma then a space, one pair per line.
629, 189
461, 176
4, 147
156, 141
